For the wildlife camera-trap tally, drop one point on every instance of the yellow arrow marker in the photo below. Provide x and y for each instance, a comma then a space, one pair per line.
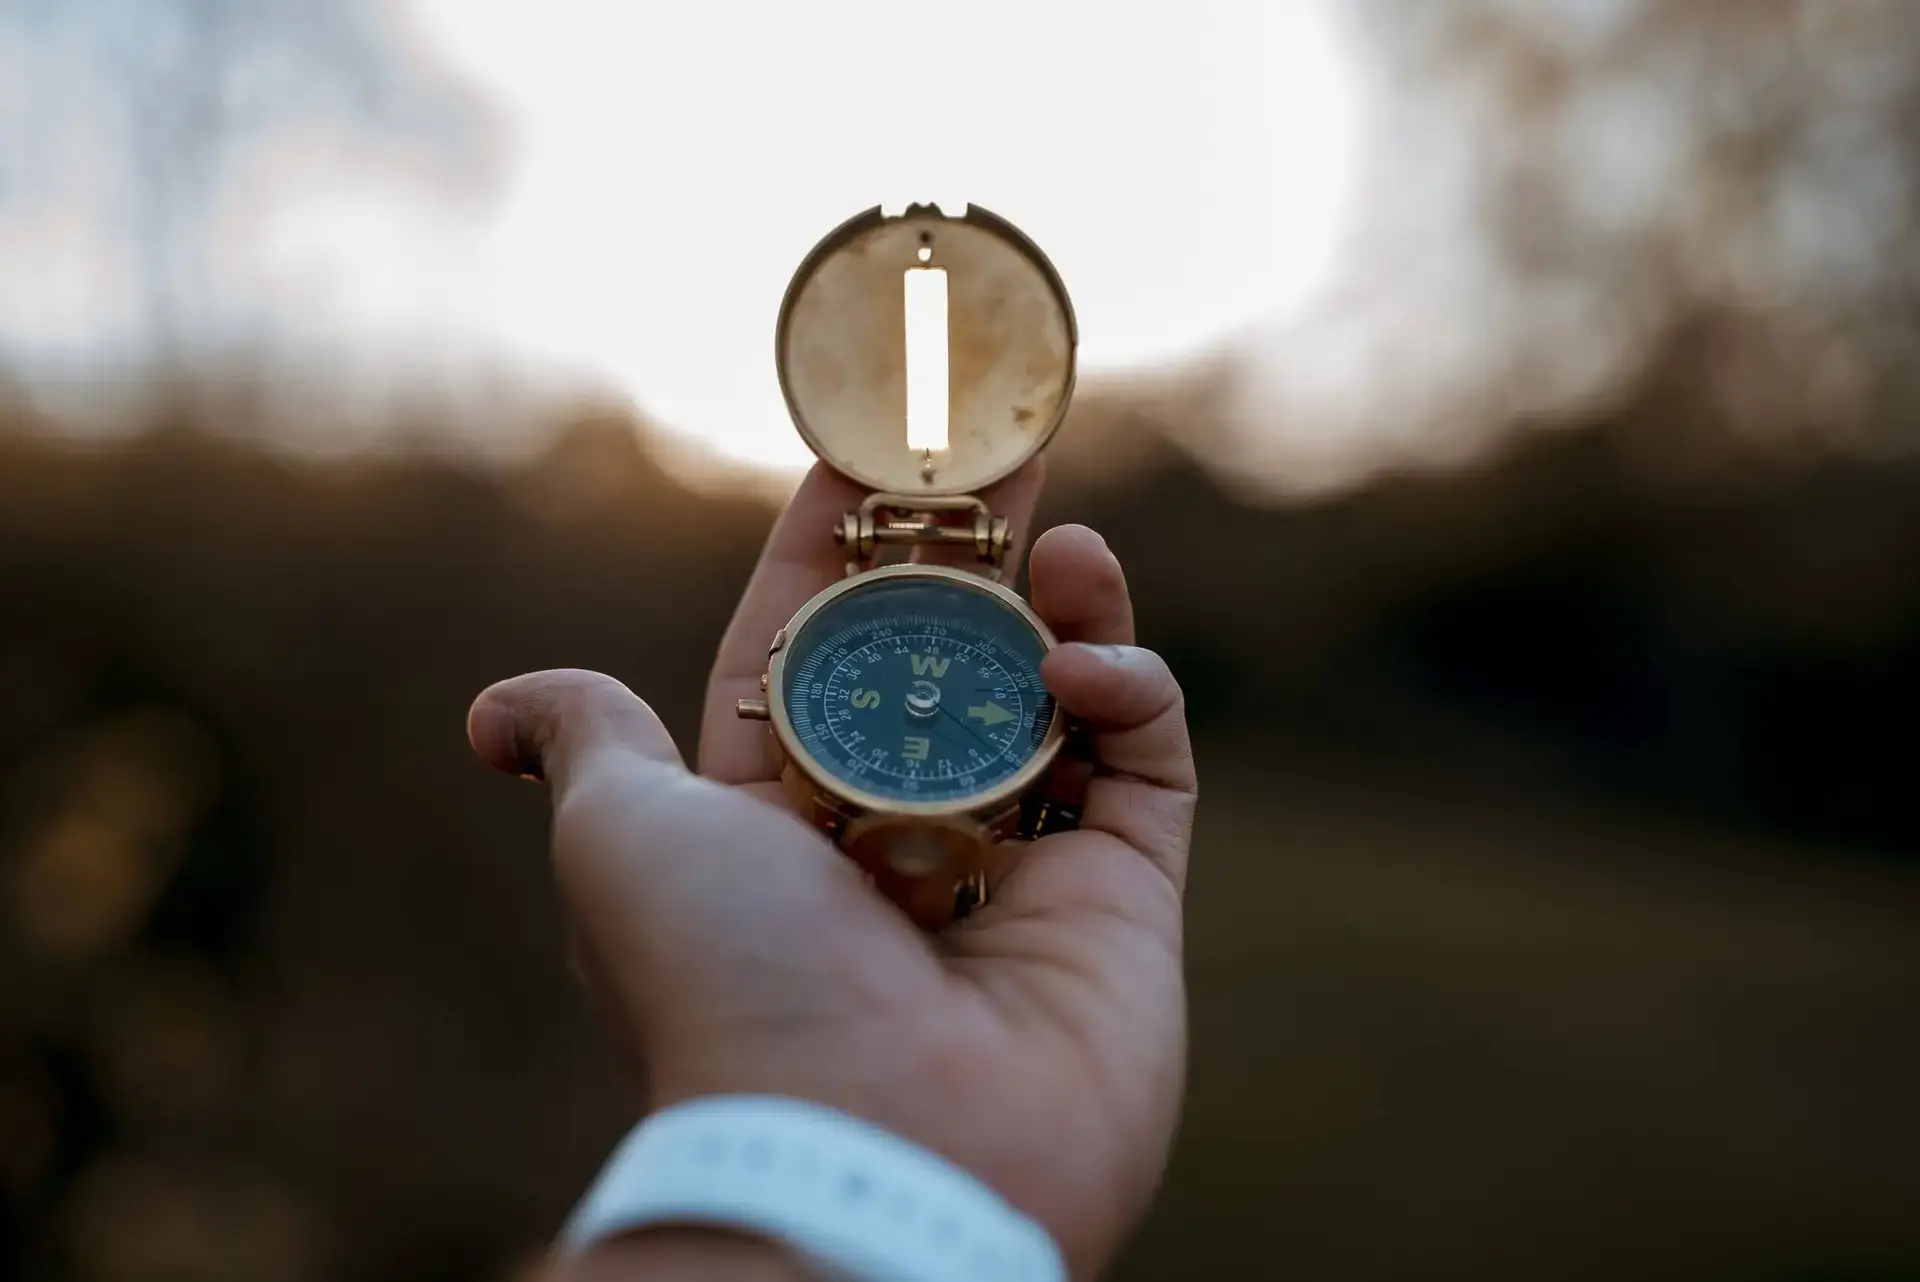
989, 713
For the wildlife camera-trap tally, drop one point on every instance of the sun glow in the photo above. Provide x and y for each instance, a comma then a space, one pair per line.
925, 316
1186, 165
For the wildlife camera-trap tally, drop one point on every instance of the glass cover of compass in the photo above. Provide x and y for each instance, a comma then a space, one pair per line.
918, 689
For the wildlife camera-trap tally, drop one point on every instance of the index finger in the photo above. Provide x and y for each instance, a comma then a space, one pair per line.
802, 557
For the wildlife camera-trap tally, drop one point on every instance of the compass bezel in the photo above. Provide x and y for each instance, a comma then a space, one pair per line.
988, 800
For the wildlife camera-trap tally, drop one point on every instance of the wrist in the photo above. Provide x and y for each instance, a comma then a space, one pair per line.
673, 1254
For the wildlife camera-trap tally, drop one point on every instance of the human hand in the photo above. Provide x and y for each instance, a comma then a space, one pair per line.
1040, 1043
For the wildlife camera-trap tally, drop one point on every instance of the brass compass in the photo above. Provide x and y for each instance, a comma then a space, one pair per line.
923, 356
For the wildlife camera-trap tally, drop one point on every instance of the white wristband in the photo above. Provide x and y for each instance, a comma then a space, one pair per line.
845, 1195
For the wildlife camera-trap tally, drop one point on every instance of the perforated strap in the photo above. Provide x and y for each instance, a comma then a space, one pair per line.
846, 1196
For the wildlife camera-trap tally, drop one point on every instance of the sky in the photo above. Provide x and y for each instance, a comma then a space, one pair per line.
1184, 165
1401, 228
617, 194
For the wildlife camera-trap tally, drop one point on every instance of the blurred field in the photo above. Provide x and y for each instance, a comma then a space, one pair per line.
1440, 1038
1556, 909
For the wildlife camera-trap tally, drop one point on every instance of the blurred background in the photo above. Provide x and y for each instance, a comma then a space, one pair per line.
1506, 410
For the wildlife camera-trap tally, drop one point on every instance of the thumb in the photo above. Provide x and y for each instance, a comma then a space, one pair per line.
693, 901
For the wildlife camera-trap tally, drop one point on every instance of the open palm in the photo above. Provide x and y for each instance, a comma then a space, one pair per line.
1040, 1043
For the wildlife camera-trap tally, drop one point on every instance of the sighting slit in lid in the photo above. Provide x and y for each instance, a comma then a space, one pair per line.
923, 354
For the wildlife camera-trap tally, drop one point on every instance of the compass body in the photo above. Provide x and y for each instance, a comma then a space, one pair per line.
924, 357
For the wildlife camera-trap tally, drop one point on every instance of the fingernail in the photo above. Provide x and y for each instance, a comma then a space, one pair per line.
1116, 654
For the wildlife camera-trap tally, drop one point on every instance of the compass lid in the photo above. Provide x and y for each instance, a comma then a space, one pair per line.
843, 349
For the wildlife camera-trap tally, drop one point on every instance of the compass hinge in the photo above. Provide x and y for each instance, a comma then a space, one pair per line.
902, 520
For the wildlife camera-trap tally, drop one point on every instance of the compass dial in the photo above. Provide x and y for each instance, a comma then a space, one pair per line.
918, 688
